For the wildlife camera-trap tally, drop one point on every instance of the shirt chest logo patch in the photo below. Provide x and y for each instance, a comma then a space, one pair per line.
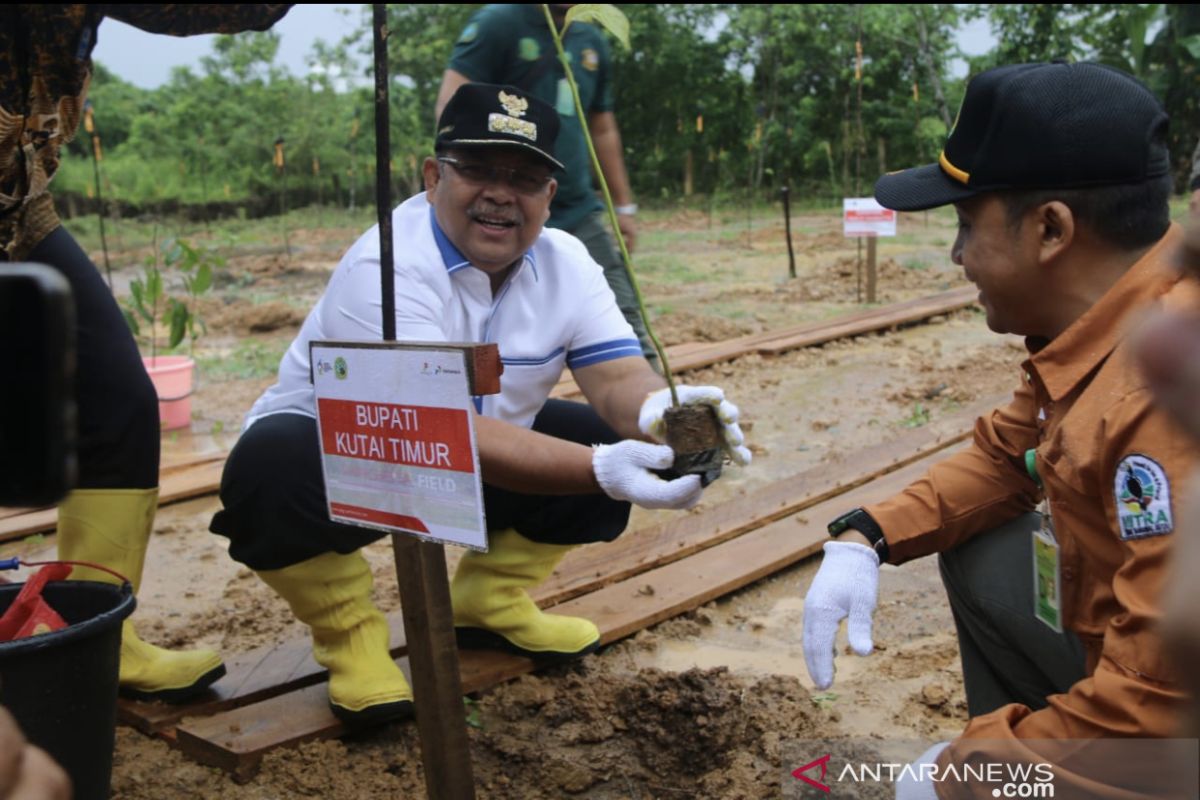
1143, 497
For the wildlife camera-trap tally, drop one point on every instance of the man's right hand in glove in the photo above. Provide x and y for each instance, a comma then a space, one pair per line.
623, 471
846, 585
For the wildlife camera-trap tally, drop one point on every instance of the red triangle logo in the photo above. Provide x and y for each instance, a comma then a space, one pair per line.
823, 761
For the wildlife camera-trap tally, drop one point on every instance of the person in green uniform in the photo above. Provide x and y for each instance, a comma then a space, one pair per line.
511, 44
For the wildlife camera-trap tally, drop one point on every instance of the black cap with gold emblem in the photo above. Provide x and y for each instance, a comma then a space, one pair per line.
488, 115
1040, 126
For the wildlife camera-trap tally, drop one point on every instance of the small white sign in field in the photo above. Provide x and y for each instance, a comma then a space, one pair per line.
862, 216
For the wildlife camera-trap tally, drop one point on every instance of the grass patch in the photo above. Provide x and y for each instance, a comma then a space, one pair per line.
918, 417
249, 359
668, 268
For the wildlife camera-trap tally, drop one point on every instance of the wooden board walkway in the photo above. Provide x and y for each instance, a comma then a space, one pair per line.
270, 670
182, 481
263, 682
236, 740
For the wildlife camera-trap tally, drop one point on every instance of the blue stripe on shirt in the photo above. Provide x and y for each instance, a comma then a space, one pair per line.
604, 351
451, 256
528, 362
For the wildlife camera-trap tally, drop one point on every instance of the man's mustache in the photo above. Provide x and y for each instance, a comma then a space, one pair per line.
495, 214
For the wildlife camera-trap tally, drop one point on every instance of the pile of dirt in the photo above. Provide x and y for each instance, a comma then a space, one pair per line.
242, 317
843, 280
677, 327
688, 219
699, 733
955, 378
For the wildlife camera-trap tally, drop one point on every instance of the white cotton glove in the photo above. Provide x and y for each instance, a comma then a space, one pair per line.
847, 584
650, 418
909, 786
623, 472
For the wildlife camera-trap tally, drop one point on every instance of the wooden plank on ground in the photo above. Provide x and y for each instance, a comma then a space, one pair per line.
884, 318
587, 568
250, 677
809, 334
178, 482
275, 669
237, 740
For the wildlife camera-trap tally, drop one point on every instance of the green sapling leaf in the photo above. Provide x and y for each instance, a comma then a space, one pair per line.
606, 15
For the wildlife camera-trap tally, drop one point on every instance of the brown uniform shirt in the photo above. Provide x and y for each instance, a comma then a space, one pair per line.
1083, 404
45, 66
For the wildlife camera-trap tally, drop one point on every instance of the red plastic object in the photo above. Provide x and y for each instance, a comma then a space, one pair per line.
29, 614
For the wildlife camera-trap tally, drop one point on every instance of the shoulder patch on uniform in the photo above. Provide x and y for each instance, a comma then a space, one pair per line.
1143, 497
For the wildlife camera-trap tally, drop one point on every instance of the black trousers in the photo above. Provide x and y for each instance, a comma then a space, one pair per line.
118, 436
275, 511
1008, 655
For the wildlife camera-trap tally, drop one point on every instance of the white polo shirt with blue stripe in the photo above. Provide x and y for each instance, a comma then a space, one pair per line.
555, 309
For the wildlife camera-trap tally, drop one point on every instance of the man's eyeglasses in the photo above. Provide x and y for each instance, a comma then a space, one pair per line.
482, 174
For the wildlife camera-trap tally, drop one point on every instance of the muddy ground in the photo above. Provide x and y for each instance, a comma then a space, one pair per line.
709, 704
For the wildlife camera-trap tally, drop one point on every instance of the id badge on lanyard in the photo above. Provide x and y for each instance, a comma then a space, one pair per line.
1047, 583
1047, 577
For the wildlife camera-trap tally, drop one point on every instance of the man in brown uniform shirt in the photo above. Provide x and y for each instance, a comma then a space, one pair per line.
1056, 525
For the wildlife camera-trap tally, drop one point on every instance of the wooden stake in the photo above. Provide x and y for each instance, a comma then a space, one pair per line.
858, 271
421, 566
871, 272
281, 171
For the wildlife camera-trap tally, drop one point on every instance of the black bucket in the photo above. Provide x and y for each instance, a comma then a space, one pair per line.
62, 686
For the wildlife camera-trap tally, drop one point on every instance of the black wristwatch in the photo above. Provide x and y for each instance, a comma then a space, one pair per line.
862, 522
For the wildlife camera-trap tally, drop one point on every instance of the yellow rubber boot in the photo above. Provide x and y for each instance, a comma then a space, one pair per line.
493, 612
111, 527
332, 595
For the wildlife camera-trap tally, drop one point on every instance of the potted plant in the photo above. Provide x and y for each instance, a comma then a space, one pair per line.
151, 304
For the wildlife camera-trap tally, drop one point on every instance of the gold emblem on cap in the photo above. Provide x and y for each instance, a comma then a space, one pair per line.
960, 175
515, 106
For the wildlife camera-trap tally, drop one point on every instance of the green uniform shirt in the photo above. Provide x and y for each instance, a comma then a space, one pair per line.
511, 44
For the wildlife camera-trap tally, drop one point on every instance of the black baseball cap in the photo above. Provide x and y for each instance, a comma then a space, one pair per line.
490, 115
1040, 126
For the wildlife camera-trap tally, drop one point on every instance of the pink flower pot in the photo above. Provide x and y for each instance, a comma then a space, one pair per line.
172, 377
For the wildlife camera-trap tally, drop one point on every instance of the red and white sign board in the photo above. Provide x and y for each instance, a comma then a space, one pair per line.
398, 440
863, 216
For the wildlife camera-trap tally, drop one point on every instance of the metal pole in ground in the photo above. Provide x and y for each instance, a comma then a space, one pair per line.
421, 566
787, 226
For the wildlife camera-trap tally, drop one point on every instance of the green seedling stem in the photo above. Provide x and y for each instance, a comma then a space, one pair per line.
608, 202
